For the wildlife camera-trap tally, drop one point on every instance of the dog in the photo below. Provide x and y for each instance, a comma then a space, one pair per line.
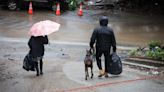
88, 62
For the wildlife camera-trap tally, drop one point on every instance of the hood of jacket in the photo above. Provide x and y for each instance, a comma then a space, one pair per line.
103, 21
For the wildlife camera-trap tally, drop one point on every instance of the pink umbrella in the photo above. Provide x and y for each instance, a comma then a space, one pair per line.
43, 28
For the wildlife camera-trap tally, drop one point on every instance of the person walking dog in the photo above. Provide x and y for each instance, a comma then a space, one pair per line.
104, 38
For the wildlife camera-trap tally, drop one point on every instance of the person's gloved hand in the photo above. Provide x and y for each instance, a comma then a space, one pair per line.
114, 49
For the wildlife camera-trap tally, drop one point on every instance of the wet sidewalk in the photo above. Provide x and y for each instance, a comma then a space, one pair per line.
64, 72
129, 80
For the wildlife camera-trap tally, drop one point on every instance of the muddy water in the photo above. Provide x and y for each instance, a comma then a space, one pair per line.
138, 34
129, 30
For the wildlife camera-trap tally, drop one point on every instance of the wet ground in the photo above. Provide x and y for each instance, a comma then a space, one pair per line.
139, 28
64, 72
63, 61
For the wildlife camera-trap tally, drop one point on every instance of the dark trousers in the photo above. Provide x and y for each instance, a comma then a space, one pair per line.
106, 54
36, 60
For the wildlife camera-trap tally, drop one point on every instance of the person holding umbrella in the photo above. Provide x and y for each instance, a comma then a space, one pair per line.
36, 45
38, 39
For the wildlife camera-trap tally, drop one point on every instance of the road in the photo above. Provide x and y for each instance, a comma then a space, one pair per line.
63, 60
139, 28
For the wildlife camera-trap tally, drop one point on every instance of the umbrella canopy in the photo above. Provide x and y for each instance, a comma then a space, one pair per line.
43, 28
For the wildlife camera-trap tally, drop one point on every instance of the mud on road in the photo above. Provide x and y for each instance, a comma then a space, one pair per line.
15, 79
59, 59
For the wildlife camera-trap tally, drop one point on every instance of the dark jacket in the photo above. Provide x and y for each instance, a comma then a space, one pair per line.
103, 36
36, 45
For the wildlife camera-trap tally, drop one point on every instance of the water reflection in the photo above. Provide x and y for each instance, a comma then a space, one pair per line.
128, 30
138, 34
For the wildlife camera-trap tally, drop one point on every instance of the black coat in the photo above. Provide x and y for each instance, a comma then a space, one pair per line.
36, 45
103, 36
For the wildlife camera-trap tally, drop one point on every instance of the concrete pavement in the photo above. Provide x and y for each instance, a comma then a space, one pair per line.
64, 72
129, 80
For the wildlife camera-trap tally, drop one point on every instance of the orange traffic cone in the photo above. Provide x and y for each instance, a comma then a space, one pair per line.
30, 11
58, 9
80, 13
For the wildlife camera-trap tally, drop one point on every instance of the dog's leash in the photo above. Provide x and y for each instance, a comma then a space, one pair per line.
93, 54
94, 58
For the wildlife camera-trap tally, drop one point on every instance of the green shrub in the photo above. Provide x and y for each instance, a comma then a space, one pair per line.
72, 4
157, 54
132, 53
135, 53
155, 51
161, 55
153, 44
149, 54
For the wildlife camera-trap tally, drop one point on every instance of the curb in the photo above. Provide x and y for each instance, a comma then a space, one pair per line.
25, 40
139, 65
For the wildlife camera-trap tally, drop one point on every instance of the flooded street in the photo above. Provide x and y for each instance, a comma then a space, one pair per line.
128, 28
64, 56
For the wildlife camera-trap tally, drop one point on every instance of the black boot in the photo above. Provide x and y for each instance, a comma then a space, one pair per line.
37, 69
41, 67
